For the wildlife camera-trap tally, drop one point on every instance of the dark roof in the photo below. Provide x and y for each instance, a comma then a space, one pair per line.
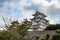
40, 18
46, 20
35, 18
15, 22
39, 13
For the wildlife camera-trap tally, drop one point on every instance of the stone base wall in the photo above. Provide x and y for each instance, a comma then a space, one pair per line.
32, 34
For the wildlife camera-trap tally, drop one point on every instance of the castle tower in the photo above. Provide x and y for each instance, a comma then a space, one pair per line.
39, 21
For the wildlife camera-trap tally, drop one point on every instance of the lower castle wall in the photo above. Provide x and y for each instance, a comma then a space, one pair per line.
31, 34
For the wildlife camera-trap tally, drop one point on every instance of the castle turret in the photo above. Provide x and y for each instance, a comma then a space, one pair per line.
39, 21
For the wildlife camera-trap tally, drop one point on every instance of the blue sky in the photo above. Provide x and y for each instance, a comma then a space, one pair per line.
20, 9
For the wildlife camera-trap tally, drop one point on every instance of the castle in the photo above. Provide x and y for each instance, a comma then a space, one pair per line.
39, 22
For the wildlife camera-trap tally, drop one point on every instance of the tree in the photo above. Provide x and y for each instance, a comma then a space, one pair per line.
22, 29
53, 27
56, 35
37, 37
46, 37
15, 30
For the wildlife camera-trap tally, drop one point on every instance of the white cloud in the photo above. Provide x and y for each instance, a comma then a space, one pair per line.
23, 3
45, 6
37, 1
9, 4
6, 6
27, 14
52, 8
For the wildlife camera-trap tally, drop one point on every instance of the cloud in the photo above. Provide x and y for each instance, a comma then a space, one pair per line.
21, 9
24, 3
6, 9
50, 9
27, 14
53, 12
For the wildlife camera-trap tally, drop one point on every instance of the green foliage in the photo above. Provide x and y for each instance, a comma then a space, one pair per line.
22, 29
56, 35
53, 27
15, 31
37, 37
4, 35
46, 37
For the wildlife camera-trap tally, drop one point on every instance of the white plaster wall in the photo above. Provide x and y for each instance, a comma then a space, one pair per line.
41, 16
43, 21
37, 19
34, 23
43, 26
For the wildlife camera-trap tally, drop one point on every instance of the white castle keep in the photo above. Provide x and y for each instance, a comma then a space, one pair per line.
39, 22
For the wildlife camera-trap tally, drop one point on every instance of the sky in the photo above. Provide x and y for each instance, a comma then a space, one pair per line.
20, 9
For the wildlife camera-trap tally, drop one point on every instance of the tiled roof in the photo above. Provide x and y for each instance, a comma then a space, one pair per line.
39, 13
40, 18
